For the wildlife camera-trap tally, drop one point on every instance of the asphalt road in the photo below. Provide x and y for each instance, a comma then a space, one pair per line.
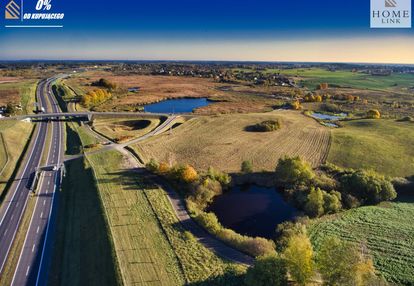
34, 257
14, 205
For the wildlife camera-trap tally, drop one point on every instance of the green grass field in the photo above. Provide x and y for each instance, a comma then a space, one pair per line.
314, 76
385, 146
15, 135
387, 231
83, 253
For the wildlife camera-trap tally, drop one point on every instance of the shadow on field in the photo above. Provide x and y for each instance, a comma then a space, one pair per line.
405, 191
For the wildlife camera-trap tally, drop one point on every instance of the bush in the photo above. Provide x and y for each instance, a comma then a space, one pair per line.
189, 174
266, 126
374, 114
368, 186
293, 171
104, 83
314, 205
267, 270
219, 176
247, 167
258, 246
163, 168
152, 165
332, 202
203, 194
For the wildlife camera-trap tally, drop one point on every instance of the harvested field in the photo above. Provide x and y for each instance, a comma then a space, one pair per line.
122, 130
222, 142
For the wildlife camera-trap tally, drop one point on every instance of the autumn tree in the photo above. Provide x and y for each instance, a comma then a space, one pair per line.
189, 174
267, 270
374, 114
299, 258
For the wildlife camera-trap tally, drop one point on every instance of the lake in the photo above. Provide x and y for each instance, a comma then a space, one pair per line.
181, 105
252, 210
323, 116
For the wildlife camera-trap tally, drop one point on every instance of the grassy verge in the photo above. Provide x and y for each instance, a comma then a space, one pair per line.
15, 135
83, 253
199, 264
385, 146
144, 254
386, 230
15, 250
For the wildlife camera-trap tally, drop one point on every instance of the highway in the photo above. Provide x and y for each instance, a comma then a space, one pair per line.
33, 260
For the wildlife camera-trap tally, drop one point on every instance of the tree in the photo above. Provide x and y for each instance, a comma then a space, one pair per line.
314, 205
374, 114
332, 202
163, 167
293, 170
247, 167
189, 174
152, 165
269, 270
10, 109
299, 258
341, 263
368, 186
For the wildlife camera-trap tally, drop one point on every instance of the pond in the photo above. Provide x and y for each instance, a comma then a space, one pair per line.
323, 116
252, 210
181, 105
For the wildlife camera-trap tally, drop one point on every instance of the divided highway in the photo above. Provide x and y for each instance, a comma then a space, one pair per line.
33, 260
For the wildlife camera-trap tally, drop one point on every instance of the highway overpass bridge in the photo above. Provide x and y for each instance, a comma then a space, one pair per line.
89, 116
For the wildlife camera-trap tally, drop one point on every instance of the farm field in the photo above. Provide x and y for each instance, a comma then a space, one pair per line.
13, 138
222, 142
18, 92
124, 129
386, 230
312, 77
385, 146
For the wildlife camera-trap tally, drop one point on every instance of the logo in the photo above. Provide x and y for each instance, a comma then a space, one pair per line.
36, 14
12, 11
390, 3
390, 14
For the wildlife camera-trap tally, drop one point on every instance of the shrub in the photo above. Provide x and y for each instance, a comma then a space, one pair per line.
203, 194
104, 83
209, 221
266, 126
368, 186
374, 114
331, 202
163, 168
293, 170
315, 203
219, 176
189, 174
267, 270
152, 165
247, 167
258, 246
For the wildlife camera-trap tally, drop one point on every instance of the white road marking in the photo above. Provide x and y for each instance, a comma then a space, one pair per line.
12, 217
6, 231
17, 204
27, 271
33, 247
48, 183
41, 215
37, 231
44, 201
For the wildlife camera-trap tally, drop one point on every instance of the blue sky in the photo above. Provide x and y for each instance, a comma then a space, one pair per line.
204, 30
